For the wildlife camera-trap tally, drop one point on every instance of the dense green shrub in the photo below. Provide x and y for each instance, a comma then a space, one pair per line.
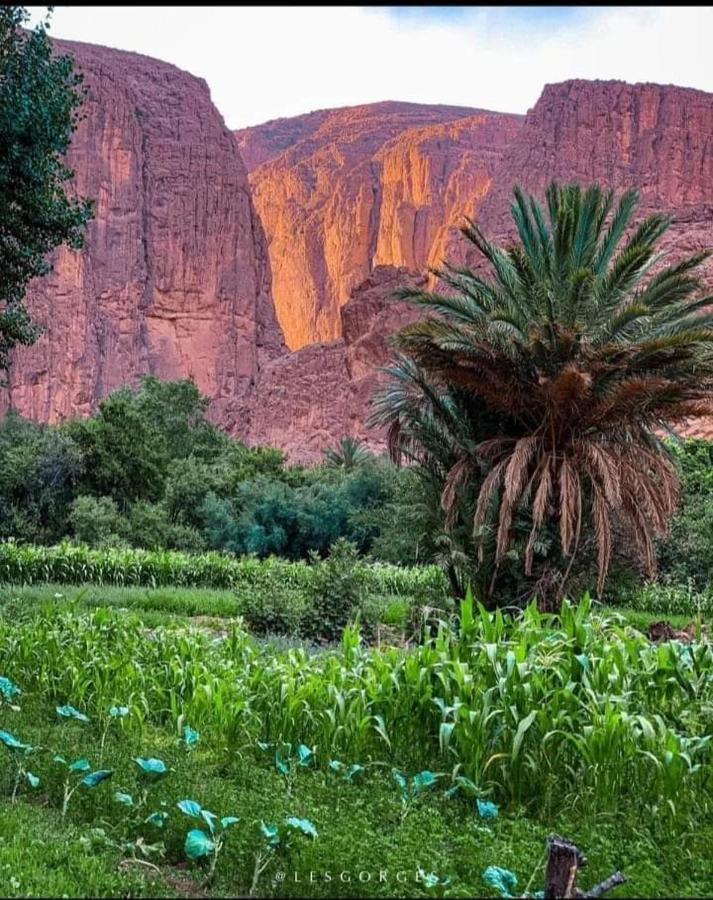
96, 521
335, 592
268, 610
687, 551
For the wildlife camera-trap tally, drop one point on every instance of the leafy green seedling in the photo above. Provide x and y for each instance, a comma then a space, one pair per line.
272, 841
79, 774
69, 712
265, 853
116, 714
411, 788
289, 761
8, 692
151, 770
346, 773
189, 736
19, 751
199, 843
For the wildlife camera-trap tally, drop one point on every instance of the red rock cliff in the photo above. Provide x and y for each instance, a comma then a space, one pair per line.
310, 398
656, 138
174, 277
359, 187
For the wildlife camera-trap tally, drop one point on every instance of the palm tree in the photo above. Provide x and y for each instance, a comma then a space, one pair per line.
543, 388
349, 453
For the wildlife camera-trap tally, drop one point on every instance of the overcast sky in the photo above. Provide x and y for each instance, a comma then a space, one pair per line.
265, 62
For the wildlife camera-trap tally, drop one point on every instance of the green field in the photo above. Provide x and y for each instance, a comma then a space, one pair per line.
576, 726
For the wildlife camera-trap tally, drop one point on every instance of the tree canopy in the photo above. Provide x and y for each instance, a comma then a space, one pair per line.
40, 98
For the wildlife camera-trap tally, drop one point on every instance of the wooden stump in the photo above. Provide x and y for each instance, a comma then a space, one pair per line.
563, 863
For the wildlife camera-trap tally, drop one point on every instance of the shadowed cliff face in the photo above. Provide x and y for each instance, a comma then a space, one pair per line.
310, 398
174, 278
360, 187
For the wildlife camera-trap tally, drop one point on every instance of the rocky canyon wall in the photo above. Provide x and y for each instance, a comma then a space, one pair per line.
344, 191
174, 277
656, 138
346, 205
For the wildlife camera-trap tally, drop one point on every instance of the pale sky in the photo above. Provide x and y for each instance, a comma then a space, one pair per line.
262, 63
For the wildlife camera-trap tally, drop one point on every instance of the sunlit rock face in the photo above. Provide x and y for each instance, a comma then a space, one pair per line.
342, 191
174, 278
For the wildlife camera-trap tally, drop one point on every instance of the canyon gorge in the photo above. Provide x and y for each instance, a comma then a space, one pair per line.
261, 262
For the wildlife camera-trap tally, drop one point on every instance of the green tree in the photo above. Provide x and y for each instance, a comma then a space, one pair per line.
540, 390
349, 453
39, 103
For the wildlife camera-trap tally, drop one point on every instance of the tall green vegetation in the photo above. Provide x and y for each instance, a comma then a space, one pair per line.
39, 112
149, 470
533, 397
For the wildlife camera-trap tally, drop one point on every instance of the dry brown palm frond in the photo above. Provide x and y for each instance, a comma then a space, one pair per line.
490, 485
570, 504
568, 388
607, 466
454, 479
602, 533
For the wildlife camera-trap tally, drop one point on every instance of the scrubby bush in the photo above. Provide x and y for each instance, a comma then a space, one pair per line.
96, 521
336, 592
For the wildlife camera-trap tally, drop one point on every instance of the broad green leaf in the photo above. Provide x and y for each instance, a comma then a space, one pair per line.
157, 818
423, 780
502, 880
198, 844
69, 712
118, 712
486, 809
151, 765
124, 799
80, 765
8, 689
303, 825
353, 770
190, 736
95, 778
399, 778
304, 755
227, 821
335, 765
190, 808
33, 780
12, 742
209, 818
270, 833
